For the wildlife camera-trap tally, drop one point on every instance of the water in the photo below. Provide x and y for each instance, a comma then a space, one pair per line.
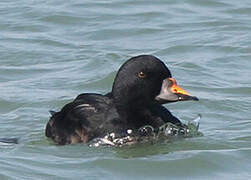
50, 51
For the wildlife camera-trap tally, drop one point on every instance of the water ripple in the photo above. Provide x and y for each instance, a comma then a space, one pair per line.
52, 50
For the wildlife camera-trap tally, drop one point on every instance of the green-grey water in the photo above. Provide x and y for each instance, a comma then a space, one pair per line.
51, 51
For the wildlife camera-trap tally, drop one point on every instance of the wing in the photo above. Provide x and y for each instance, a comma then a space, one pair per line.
79, 121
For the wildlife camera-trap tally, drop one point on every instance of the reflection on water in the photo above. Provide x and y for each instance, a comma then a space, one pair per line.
148, 134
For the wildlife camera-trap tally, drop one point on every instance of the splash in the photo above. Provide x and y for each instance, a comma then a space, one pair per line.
191, 129
149, 134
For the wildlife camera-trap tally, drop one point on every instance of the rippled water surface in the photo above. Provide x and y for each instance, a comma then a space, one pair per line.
50, 51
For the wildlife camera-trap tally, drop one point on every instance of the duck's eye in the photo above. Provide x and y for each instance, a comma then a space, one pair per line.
141, 75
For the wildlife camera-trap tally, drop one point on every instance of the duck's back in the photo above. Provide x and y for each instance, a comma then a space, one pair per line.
81, 120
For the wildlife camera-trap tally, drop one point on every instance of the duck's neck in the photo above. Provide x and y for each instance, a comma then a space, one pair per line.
136, 116
133, 110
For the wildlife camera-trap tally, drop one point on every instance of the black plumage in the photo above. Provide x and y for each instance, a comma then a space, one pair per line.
141, 85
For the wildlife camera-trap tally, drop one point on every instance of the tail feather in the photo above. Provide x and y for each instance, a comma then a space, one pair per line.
52, 112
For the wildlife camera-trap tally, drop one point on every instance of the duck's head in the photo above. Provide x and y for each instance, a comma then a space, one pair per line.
144, 80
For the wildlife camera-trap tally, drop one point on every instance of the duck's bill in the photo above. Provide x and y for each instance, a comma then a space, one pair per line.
171, 92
